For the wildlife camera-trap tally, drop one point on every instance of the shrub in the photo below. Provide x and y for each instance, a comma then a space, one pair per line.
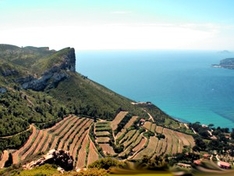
148, 134
106, 163
44, 170
88, 172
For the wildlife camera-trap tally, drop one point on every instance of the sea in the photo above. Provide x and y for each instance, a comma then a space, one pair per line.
181, 83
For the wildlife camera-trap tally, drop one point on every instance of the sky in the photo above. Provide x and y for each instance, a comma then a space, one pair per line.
118, 24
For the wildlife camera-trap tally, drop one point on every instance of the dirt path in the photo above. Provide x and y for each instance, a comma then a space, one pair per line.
30, 127
150, 116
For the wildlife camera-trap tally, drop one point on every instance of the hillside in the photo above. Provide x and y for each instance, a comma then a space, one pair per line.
41, 86
46, 104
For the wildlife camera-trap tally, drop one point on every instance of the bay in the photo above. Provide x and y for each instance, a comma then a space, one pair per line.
181, 83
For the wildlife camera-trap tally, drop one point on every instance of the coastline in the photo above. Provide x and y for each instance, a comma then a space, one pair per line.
182, 84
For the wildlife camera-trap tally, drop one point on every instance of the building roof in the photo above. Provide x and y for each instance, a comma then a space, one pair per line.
222, 163
198, 162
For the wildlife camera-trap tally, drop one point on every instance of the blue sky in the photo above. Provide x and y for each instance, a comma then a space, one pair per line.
119, 24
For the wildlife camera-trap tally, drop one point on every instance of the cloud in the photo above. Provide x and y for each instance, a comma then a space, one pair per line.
120, 12
143, 37
118, 36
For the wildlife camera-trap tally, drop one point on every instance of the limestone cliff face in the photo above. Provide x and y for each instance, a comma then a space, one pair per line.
52, 76
69, 61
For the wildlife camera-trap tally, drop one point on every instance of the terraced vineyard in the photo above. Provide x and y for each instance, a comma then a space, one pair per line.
103, 134
16, 155
88, 141
150, 148
128, 125
117, 120
93, 153
69, 134
151, 141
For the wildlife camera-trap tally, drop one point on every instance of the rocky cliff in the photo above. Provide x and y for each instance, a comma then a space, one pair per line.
52, 76
46, 71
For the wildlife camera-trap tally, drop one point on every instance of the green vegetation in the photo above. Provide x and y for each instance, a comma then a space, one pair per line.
19, 109
54, 59
159, 116
88, 172
152, 173
211, 139
147, 134
106, 163
15, 141
44, 170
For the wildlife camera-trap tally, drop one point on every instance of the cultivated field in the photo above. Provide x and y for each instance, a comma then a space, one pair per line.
117, 119
69, 134
93, 153
88, 141
107, 149
164, 140
16, 155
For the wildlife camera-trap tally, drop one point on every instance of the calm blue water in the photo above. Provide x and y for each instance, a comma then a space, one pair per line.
182, 83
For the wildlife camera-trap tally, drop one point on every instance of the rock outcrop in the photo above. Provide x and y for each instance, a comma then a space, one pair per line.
59, 157
8, 72
69, 61
51, 77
